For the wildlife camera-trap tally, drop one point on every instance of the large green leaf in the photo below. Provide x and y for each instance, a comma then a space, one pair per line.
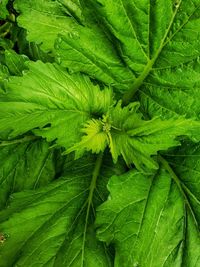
158, 41
173, 92
159, 37
54, 226
80, 48
148, 47
19, 170
4, 74
128, 134
53, 100
149, 221
137, 139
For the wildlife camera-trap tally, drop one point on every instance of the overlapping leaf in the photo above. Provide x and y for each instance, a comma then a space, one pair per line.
48, 98
149, 222
128, 134
48, 16
51, 226
14, 62
161, 36
149, 47
172, 92
81, 48
155, 40
11, 64
19, 170
55, 105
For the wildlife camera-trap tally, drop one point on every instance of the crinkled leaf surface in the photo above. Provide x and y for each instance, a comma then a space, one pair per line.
49, 98
80, 48
14, 62
19, 170
149, 222
128, 134
160, 38
53, 100
47, 16
137, 140
95, 139
51, 227
158, 41
11, 64
186, 164
148, 47
73, 8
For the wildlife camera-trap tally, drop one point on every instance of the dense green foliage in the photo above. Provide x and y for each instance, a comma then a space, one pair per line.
99, 133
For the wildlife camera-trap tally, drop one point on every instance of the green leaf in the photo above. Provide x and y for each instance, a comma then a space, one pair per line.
15, 62
144, 49
95, 139
53, 226
49, 98
19, 170
149, 222
136, 139
31, 49
4, 74
88, 50
3, 9
5, 43
53, 21
73, 8
80, 48
172, 92
185, 162
161, 37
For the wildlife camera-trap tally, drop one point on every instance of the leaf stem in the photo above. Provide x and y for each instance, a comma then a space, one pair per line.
179, 184
92, 187
138, 82
18, 141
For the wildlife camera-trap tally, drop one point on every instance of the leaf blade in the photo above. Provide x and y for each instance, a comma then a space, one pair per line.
149, 216
50, 98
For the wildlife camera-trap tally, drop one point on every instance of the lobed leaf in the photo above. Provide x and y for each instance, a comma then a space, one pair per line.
20, 171
51, 100
51, 227
135, 139
147, 220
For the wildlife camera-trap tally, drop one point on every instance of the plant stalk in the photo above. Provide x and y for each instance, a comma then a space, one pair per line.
18, 141
95, 175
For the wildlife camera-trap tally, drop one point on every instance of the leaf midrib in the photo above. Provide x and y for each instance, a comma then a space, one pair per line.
181, 186
92, 187
138, 82
57, 212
